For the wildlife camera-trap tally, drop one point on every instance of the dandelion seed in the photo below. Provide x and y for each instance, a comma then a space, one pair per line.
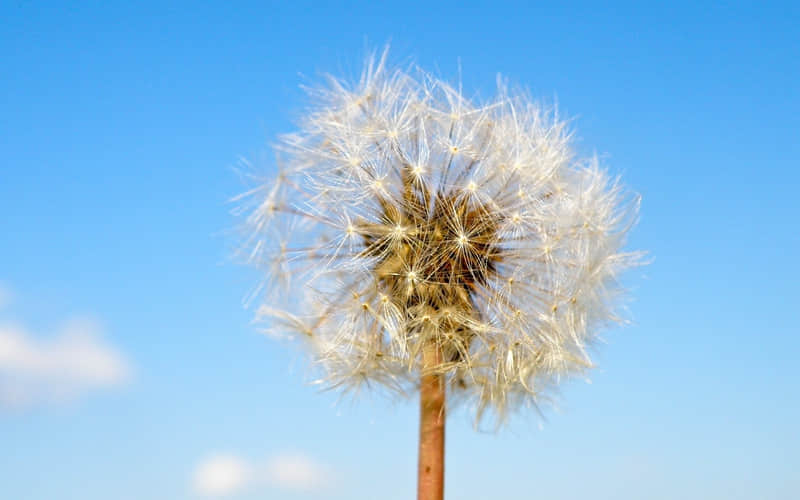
491, 298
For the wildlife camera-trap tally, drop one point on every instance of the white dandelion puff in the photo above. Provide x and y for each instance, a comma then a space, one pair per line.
425, 233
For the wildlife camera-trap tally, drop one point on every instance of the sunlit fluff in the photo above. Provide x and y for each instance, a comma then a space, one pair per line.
405, 215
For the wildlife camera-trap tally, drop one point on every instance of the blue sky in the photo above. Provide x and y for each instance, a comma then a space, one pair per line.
119, 125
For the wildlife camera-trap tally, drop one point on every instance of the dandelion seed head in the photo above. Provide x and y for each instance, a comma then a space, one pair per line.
417, 217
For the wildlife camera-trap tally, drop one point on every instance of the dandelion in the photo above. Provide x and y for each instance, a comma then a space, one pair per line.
419, 241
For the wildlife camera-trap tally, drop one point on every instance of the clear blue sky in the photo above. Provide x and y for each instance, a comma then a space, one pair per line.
118, 127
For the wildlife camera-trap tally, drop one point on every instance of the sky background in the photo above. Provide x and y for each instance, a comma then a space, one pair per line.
129, 368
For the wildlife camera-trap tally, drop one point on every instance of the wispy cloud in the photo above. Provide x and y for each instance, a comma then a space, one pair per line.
226, 474
297, 472
222, 475
37, 370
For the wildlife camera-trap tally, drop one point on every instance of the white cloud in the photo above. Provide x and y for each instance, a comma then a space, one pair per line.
36, 370
296, 472
222, 475
225, 474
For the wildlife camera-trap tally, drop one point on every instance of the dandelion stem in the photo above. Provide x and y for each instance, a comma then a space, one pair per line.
430, 478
